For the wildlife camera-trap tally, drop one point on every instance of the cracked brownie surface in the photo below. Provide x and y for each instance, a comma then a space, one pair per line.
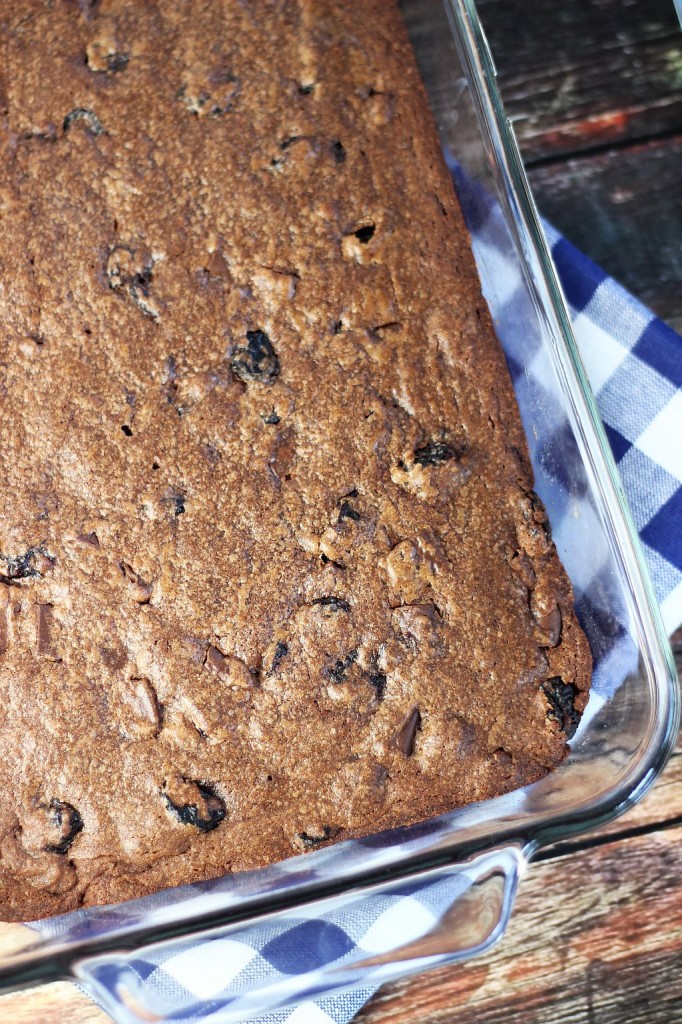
272, 572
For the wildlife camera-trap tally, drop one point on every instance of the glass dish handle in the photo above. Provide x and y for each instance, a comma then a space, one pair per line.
360, 940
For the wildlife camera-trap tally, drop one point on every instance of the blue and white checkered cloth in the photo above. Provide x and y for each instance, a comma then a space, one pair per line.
634, 363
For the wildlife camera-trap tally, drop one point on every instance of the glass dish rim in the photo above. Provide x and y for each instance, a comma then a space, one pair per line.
52, 960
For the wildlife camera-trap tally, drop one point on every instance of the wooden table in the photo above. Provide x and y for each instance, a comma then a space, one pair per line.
593, 87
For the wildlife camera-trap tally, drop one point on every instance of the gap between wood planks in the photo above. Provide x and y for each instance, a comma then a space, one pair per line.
600, 148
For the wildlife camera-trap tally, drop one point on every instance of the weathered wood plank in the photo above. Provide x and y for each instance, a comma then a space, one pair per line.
624, 209
596, 939
60, 1003
586, 73
662, 805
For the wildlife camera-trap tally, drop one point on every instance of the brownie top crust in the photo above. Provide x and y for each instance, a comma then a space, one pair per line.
272, 571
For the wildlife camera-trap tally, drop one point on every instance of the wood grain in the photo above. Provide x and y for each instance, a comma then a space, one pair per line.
596, 939
587, 80
624, 209
60, 1003
586, 73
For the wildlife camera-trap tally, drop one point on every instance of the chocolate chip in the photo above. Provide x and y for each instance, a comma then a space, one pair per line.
330, 561
549, 624
337, 604
204, 809
67, 820
305, 90
88, 117
272, 418
127, 430
348, 512
215, 658
561, 697
433, 453
339, 154
44, 613
217, 265
337, 673
408, 731
257, 360
365, 234
88, 538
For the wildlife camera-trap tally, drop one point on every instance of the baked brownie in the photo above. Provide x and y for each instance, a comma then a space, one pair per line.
272, 570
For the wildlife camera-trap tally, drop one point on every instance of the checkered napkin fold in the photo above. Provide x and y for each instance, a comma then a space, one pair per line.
634, 363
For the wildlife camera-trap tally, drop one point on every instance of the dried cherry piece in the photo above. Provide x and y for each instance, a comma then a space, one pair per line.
561, 697
337, 604
31, 565
116, 61
339, 154
257, 360
308, 840
281, 651
68, 821
433, 453
378, 681
88, 117
348, 512
337, 673
204, 812
365, 234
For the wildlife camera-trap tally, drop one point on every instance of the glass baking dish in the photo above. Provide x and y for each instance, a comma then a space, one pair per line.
631, 721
